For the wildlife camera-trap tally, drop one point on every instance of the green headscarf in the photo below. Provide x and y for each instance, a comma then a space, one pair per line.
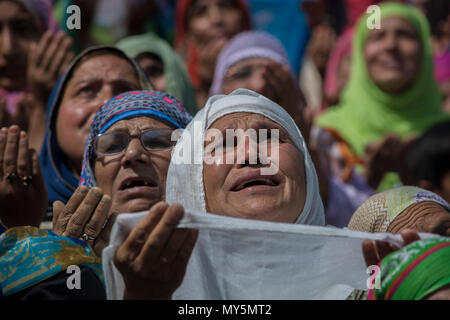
366, 113
177, 80
414, 272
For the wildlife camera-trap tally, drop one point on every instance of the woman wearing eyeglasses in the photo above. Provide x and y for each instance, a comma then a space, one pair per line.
125, 164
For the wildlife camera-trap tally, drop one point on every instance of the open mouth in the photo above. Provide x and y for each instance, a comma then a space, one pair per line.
134, 183
255, 183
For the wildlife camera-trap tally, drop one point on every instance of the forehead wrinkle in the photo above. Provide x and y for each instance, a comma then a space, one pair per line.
411, 216
86, 70
244, 120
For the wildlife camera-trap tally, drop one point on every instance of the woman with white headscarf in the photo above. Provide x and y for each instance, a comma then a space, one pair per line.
149, 256
248, 107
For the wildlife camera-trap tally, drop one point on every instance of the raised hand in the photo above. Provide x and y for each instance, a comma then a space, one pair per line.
375, 251
154, 257
47, 61
388, 155
286, 91
208, 54
23, 196
86, 216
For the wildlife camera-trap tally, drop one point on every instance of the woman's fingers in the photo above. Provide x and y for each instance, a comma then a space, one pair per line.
69, 209
132, 246
409, 236
41, 47
156, 242
58, 207
51, 50
95, 225
35, 167
370, 253
3, 137
103, 238
78, 220
58, 61
384, 248
182, 258
23, 159
32, 56
10, 155
175, 242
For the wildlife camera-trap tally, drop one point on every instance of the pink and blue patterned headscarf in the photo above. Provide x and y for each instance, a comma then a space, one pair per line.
127, 105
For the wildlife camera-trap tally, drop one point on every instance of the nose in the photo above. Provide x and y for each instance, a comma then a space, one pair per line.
390, 41
6, 41
214, 15
247, 153
134, 153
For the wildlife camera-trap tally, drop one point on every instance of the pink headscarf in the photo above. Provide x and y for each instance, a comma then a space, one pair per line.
341, 50
442, 67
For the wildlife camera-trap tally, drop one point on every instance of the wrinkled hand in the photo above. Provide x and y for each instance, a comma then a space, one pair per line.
380, 158
47, 61
322, 41
86, 213
154, 257
389, 155
285, 91
374, 252
208, 54
23, 196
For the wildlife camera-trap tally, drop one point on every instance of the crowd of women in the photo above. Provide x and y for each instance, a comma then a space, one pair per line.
88, 119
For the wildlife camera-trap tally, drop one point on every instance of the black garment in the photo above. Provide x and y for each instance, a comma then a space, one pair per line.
55, 288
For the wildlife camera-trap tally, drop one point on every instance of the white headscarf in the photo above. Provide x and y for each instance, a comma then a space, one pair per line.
185, 181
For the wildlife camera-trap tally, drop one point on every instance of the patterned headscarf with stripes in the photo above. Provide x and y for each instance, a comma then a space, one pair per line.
414, 272
129, 105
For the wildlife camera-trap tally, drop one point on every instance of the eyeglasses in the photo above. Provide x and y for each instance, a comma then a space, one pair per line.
114, 143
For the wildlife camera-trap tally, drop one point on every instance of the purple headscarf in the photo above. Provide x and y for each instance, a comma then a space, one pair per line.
129, 105
248, 44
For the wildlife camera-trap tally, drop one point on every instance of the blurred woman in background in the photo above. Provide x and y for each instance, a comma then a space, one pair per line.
203, 27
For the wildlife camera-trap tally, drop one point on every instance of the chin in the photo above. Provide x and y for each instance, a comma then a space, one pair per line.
260, 210
137, 205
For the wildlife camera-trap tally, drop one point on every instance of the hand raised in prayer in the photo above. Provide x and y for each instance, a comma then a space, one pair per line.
285, 91
374, 252
47, 61
321, 44
208, 54
154, 257
23, 196
389, 155
87, 216
380, 158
